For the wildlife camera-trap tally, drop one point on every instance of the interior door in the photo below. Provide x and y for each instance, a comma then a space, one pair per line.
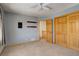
49, 30
74, 31
43, 33
64, 30
61, 30
67, 30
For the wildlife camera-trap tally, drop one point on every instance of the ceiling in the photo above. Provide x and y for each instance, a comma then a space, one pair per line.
26, 8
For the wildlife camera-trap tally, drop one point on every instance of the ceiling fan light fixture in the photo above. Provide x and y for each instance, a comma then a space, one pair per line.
42, 6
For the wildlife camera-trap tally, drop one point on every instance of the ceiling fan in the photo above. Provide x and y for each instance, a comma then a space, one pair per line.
42, 6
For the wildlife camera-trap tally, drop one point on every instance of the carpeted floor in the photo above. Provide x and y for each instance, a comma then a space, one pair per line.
38, 48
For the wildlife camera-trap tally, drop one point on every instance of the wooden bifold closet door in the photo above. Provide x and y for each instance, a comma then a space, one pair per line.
67, 30
49, 30
73, 30
61, 30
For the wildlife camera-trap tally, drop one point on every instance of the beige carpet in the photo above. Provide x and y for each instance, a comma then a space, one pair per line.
38, 48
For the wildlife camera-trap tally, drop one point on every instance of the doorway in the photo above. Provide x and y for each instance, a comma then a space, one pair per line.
46, 30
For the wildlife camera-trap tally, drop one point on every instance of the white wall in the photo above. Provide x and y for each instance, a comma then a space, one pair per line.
14, 35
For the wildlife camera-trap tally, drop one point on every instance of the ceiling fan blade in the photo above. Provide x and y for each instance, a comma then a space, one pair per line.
34, 6
48, 7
